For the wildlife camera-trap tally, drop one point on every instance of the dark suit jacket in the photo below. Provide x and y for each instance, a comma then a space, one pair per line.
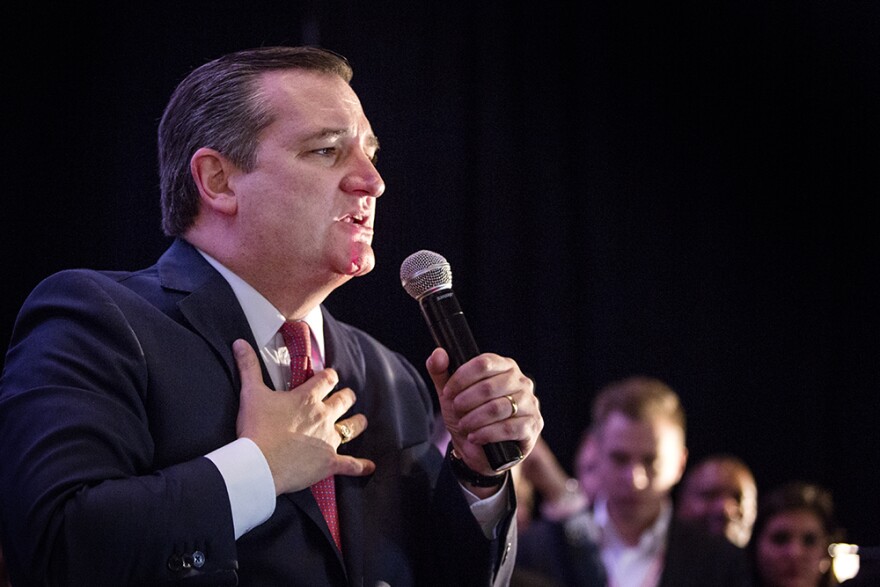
695, 558
558, 554
116, 385
551, 555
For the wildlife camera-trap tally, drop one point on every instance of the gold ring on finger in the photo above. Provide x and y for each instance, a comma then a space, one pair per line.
345, 432
513, 407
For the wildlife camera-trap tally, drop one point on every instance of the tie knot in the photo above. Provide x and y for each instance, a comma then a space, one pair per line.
297, 338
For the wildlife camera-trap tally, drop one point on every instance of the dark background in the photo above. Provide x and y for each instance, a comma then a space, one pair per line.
686, 191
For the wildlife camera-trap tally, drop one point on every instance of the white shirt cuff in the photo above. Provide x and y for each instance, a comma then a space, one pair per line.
249, 483
489, 511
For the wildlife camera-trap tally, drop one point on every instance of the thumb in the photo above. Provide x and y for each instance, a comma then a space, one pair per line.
247, 362
438, 368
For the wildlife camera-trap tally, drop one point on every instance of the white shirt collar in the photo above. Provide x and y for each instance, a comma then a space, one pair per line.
264, 318
651, 540
641, 564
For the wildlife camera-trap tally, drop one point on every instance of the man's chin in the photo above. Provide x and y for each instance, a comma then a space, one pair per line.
361, 265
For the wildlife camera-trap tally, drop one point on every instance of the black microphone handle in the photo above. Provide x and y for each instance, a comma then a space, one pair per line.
450, 330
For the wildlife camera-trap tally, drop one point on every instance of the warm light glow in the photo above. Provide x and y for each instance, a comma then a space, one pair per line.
844, 560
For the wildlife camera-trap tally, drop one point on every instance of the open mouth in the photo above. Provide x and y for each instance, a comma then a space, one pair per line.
357, 219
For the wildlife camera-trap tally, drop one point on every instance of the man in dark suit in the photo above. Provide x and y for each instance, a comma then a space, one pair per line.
143, 439
629, 537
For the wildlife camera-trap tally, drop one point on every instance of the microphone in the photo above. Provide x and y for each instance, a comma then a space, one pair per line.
427, 277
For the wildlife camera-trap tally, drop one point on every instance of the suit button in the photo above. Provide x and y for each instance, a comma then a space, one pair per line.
175, 563
198, 559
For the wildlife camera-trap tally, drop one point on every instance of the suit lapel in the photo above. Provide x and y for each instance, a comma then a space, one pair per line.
343, 354
211, 306
346, 358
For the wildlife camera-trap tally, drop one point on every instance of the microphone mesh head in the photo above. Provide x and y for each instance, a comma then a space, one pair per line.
424, 272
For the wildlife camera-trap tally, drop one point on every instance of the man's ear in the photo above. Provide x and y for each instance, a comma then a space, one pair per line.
211, 172
683, 464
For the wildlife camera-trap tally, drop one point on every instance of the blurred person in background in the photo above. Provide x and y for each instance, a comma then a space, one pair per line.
640, 430
586, 465
794, 528
628, 537
719, 493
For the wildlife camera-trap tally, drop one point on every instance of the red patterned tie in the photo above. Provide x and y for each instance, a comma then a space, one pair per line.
297, 337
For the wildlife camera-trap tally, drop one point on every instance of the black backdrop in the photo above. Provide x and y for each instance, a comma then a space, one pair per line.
684, 191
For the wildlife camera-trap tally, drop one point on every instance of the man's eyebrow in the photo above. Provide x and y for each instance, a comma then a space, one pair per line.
328, 133
334, 133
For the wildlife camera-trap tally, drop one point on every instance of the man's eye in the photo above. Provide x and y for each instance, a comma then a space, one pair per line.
780, 537
325, 151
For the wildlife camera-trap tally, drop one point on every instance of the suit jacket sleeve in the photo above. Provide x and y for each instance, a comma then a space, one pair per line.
80, 473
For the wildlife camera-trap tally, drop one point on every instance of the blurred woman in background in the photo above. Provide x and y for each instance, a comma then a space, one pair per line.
794, 527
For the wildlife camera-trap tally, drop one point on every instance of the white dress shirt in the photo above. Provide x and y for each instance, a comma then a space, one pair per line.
633, 566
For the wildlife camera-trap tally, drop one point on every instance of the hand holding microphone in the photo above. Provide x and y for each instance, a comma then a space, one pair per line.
427, 277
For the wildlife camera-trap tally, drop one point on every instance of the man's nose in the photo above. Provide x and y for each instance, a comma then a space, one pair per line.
639, 476
732, 508
363, 179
